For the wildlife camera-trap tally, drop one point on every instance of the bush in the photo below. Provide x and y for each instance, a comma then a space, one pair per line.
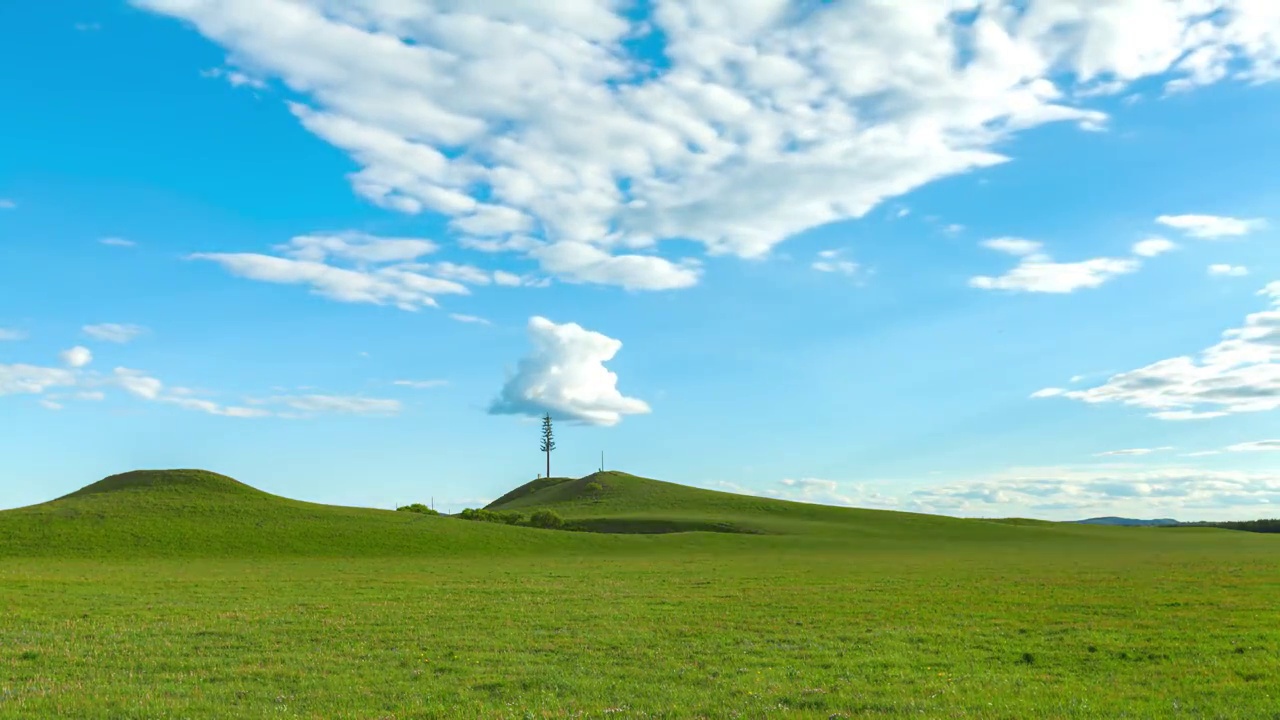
546, 519
482, 515
593, 487
417, 508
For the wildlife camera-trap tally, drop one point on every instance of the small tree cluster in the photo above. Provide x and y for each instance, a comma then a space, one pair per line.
546, 519
417, 508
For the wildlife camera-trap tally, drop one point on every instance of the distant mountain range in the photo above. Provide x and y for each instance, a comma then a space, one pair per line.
1112, 520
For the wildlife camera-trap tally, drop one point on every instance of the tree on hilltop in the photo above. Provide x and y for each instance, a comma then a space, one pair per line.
548, 440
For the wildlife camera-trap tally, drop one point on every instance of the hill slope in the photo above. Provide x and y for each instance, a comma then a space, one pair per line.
190, 513
619, 502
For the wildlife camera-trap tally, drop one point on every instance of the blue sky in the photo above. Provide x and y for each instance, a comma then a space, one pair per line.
879, 256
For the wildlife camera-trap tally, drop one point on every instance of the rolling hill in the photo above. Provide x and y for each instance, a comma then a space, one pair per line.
618, 502
196, 513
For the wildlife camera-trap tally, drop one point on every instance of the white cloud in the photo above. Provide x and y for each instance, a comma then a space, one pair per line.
565, 375
1255, 446
1048, 392
117, 242
113, 332
360, 248
829, 261
7, 204
1132, 452
817, 490
315, 404
235, 78
474, 319
583, 263
1037, 272
88, 26
1152, 247
764, 120
1013, 245
76, 357
421, 384
9, 335
1212, 226
32, 379
1225, 270
1239, 374
1075, 492
405, 289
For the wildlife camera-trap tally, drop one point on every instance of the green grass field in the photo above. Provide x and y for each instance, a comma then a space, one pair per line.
187, 595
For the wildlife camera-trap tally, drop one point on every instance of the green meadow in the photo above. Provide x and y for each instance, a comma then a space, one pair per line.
184, 594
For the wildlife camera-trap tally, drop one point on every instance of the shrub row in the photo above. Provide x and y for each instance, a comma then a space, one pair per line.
417, 508
540, 519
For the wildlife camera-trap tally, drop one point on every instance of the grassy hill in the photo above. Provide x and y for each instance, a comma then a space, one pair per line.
186, 594
195, 513
149, 513
617, 502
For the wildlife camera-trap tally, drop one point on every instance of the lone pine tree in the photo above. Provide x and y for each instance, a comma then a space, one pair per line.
548, 440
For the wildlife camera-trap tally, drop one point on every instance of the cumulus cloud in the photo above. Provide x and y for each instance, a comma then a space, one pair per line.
1152, 247
565, 376
830, 261
117, 242
113, 332
1212, 227
1239, 374
76, 357
377, 270
1226, 270
1037, 272
763, 120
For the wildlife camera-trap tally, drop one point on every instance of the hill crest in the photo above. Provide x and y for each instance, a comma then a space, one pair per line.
184, 480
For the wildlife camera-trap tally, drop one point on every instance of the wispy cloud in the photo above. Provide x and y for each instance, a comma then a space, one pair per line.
1255, 446
830, 261
1239, 374
117, 242
1133, 451
114, 332
1212, 227
1037, 272
421, 384
474, 319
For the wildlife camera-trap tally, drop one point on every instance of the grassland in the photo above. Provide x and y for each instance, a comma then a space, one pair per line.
825, 613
